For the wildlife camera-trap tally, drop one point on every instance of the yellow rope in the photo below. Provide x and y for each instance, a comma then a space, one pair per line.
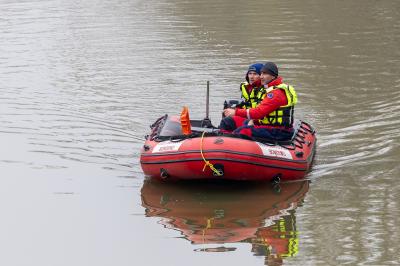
207, 163
208, 226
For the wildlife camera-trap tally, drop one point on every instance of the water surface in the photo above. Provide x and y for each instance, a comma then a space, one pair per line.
81, 81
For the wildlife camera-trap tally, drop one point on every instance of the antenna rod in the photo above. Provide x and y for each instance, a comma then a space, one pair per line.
208, 100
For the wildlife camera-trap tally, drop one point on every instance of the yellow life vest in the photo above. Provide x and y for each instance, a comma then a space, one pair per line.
283, 229
254, 98
283, 116
288, 231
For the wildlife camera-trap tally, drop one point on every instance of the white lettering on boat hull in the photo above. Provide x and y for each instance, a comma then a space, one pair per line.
275, 151
167, 146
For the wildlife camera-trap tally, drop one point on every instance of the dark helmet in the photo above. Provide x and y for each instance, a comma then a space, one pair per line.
270, 68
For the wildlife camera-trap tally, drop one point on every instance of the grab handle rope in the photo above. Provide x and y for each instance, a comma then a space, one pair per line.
207, 163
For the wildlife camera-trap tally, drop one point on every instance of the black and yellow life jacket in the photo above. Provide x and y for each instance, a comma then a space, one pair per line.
283, 116
254, 98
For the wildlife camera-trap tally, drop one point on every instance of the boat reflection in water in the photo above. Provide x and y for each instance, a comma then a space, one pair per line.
222, 213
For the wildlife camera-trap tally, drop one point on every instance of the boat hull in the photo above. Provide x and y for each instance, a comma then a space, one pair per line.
234, 158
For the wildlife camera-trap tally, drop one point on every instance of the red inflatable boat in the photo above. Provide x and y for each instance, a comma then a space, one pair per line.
172, 152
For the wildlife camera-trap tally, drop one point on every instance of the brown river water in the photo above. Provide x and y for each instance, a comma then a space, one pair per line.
81, 81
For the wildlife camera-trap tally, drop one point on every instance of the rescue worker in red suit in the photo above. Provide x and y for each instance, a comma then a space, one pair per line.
272, 118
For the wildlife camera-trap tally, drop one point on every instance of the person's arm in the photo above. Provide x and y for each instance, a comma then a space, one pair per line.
272, 101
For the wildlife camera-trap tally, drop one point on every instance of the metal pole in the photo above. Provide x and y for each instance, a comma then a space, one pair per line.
208, 100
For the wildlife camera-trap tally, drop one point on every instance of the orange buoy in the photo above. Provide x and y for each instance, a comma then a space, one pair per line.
185, 121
